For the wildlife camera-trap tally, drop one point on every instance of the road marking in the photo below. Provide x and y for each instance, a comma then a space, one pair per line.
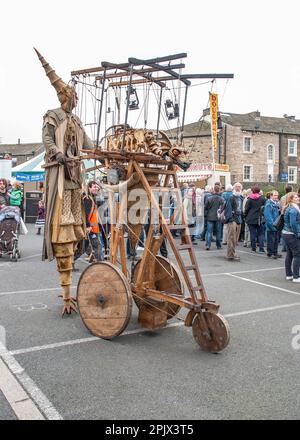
203, 275
264, 309
33, 291
254, 254
242, 271
27, 401
136, 331
264, 284
83, 340
21, 404
30, 256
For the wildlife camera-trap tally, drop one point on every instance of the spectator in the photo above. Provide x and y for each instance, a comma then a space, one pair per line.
4, 196
199, 213
226, 195
291, 233
184, 190
282, 203
246, 194
212, 204
207, 193
92, 222
234, 216
189, 206
40, 220
271, 213
254, 218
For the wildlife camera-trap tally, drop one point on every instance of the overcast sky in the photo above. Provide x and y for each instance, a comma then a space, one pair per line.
257, 40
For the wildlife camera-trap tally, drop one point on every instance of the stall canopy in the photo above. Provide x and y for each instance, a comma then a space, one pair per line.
32, 171
192, 176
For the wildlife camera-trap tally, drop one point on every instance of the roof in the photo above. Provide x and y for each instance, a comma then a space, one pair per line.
200, 128
21, 149
253, 121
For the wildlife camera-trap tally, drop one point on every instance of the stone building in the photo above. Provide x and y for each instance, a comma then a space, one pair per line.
21, 152
258, 149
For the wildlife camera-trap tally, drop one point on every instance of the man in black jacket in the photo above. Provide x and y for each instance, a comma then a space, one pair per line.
254, 218
211, 206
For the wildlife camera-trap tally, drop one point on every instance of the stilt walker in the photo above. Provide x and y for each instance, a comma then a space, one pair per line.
63, 138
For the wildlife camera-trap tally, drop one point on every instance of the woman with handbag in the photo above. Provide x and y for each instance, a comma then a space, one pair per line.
291, 234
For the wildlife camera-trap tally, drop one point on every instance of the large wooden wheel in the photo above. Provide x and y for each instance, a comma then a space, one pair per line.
104, 300
166, 279
218, 335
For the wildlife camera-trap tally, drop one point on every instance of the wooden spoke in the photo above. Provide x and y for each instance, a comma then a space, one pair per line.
166, 279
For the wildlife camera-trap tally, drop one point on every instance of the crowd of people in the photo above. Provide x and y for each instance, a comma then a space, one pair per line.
227, 217
232, 216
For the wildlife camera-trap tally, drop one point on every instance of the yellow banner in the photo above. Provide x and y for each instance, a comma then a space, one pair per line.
221, 167
213, 98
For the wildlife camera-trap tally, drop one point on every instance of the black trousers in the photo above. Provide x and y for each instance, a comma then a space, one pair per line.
292, 259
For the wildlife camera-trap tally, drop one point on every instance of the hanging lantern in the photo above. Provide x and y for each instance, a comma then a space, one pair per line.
172, 110
133, 99
169, 108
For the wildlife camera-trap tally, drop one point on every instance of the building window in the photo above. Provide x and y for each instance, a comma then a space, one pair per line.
248, 172
247, 144
292, 147
292, 174
270, 153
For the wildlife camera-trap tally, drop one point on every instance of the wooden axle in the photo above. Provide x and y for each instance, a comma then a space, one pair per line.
169, 297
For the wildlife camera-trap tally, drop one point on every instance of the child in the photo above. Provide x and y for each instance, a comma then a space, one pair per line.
40, 221
16, 195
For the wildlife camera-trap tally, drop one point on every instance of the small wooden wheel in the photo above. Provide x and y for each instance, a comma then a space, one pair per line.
166, 280
218, 332
104, 300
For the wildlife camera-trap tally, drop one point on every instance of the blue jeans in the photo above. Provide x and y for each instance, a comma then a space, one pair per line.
210, 228
272, 242
257, 236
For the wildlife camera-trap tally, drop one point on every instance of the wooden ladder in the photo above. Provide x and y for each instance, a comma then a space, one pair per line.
187, 243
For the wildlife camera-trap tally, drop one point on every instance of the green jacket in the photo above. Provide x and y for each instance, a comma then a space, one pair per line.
16, 197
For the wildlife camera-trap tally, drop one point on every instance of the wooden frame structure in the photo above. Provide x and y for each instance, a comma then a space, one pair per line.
104, 291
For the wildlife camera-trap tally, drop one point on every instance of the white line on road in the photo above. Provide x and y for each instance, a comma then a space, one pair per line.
253, 254
242, 271
203, 275
27, 401
136, 331
82, 340
30, 256
33, 291
264, 284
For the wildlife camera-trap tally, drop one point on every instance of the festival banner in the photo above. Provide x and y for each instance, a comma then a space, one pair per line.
213, 99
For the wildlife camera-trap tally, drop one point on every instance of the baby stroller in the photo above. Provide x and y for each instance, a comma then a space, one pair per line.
9, 232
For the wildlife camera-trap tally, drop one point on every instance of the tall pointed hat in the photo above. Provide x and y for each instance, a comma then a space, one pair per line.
55, 80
